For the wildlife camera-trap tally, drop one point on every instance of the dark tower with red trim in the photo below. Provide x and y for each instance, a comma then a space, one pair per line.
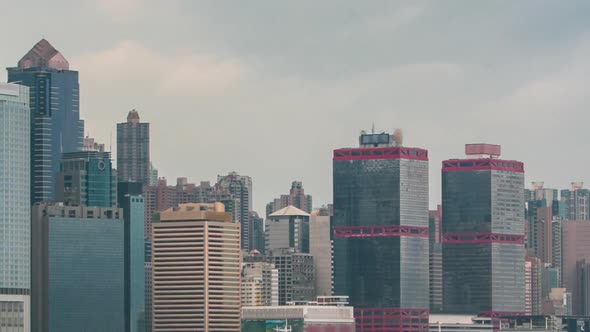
380, 230
483, 233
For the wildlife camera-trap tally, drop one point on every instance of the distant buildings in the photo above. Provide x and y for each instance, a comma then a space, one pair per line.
320, 247
296, 275
380, 230
87, 178
287, 228
296, 197
240, 187
483, 233
576, 202
15, 212
77, 268
575, 249
196, 261
55, 125
133, 150
260, 281
256, 232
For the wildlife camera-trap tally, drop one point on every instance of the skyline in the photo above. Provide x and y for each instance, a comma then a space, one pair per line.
520, 76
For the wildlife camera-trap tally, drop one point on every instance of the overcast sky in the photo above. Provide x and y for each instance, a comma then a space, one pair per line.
270, 88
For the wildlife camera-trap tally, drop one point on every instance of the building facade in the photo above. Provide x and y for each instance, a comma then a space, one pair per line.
483, 233
435, 256
296, 197
575, 248
576, 202
240, 188
320, 247
296, 275
287, 228
133, 150
380, 231
55, 125
260, 283
87, 178
15, 213
77, 269
256, 232
196, 261
298, 318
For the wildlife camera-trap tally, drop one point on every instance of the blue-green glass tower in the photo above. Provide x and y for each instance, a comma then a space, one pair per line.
55, 125
87, 178
15, 215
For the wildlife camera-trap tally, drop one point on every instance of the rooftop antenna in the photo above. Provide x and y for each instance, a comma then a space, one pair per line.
111, 142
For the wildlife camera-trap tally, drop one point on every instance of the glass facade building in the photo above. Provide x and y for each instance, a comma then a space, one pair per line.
380, 229
87, 178
483, 236
55, 125
15, 213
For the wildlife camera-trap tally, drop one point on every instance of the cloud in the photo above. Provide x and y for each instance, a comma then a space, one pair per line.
131, 63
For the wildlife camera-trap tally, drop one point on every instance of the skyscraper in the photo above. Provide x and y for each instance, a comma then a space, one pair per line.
320, 247
576, 202
240, 187
196, 262
15, 212
296, 275
287, 228
77, 268
133, 150
296, 197
87, 178
55, 124
380, 230
483, 233
575, 248
256, 232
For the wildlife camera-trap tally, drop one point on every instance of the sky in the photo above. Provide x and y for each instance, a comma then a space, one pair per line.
269, 88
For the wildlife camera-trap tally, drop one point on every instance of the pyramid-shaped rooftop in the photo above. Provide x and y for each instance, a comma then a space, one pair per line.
43, 54
289, 211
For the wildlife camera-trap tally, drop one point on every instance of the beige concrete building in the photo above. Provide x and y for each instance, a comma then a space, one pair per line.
320, 247
196, 269
260, 283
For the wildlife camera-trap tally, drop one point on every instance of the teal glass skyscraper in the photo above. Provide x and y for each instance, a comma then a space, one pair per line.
15, 215
55, 125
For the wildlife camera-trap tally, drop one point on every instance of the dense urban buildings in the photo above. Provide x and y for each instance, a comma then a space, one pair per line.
483, 232
77, 269
240, 187
296, 274
287, 228
260, 281
320, 247
15, 213
196, 270
55, 125
87, 178
380, 230
296, 197
133, 149
575, 248
576, 202
256, 232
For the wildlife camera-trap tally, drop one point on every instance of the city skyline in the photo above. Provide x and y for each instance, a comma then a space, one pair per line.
499, 70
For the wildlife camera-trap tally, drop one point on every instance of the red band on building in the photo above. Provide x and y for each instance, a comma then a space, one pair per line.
479, 238
379, 231
455, 165
391, 320
381, 153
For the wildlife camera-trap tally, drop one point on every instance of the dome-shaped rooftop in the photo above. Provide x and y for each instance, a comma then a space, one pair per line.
133, 116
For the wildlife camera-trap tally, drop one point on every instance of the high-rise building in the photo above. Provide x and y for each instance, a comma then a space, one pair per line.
380, 231
77, 268
240, 187
575, 247
435, 260
576, 202
153, 175
196, 262
296, 275
582, 296
533, 286
320, 247
483, 232
260, 281
287, 228
541, 205
89, 144
133, 149
87, 178
256, 232
15, 212
296, 197
131, 201
55, 125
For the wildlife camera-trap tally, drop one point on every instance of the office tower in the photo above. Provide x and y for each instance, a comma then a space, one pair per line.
576, 202
296, 275
133, 149
540, 204
153, 175
15, 213
260, 281
55, 124
550, 278
130, 199
240, 187
87, 178
256, 232
435, 260
380, 230
77, 268
582, 296
575, 247
320, 247
483, 232
287, 228
533, 268
196, 261
296, 197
